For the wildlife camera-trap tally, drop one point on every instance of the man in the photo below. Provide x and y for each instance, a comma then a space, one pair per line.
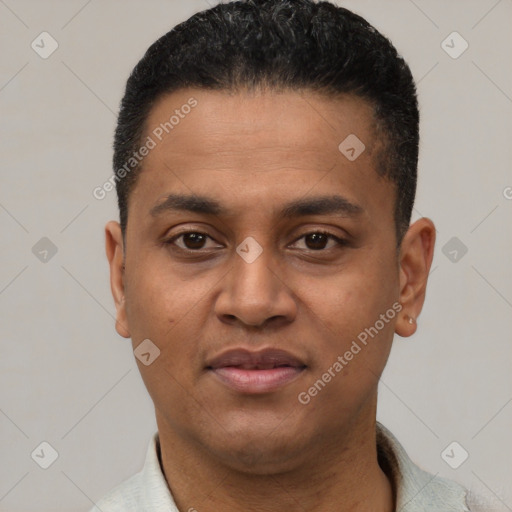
265, 162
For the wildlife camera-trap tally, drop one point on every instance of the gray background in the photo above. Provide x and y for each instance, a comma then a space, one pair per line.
68, 379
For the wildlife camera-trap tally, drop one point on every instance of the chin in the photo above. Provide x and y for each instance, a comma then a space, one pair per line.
260, 460
258, 449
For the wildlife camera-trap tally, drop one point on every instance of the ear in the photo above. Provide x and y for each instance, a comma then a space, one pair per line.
115, 253
416, 254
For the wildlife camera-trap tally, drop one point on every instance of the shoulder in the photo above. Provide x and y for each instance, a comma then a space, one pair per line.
131, 494
477, 503
125, 497
146, 490
417, 490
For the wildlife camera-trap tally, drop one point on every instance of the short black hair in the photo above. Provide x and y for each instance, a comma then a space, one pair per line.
285, 45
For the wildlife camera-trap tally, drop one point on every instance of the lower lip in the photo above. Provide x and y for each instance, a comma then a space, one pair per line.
257, 381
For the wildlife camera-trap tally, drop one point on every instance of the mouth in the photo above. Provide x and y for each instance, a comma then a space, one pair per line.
256, 372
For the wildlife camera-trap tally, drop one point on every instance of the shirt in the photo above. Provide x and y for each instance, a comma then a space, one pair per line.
416, 490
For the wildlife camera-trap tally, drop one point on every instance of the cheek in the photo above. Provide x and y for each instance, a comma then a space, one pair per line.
354, 312
353, 298
159, 306
157, 299
162, 309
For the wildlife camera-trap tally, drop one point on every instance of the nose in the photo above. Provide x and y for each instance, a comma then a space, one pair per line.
255, 293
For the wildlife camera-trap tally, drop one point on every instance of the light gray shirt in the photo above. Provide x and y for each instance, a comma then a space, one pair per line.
415, 489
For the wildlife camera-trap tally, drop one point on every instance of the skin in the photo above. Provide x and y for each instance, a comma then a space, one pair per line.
253, 152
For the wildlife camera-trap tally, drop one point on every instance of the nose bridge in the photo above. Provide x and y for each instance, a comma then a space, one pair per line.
253, 292
253, 277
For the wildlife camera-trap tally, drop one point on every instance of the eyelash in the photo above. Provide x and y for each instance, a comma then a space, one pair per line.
340, 241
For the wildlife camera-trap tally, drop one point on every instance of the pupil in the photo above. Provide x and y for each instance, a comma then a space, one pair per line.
318, 238
195, 238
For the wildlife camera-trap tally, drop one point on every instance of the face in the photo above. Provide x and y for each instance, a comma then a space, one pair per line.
274, 296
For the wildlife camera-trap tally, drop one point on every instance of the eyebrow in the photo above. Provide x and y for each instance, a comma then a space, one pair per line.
320, 205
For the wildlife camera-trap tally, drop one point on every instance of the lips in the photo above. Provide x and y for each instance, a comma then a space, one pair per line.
263, 360
256, 372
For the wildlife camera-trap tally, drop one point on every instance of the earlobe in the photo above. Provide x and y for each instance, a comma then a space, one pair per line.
416, 254
115, 254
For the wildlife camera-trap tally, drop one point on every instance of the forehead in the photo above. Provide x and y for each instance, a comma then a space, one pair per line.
257, 145
257, 121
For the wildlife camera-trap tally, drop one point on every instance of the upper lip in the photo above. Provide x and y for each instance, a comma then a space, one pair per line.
268, 358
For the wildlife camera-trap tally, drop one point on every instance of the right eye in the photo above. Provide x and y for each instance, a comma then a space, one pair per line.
192, 240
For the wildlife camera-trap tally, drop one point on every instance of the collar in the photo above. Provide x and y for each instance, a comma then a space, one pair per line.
415, 490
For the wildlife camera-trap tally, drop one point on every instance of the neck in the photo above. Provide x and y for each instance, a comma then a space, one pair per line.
340, 476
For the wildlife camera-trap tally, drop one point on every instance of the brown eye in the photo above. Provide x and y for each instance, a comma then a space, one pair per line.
194, 240
318, 240
191, 241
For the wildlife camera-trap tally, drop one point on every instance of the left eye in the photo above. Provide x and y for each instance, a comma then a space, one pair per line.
319, 239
